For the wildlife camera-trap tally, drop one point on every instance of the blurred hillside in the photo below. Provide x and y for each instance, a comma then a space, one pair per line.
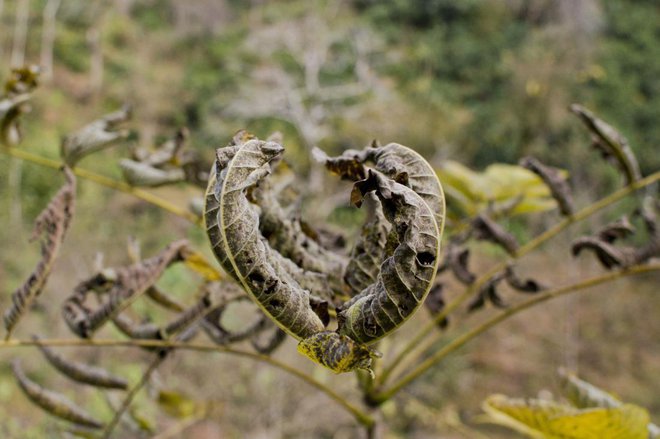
479, 81
476, 81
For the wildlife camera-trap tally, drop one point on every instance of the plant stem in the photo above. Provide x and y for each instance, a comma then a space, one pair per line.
474, 332
522, 251
131, 395
362, 417
107, 182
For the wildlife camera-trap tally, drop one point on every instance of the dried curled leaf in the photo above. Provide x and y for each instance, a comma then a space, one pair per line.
617, 230
557, 184
220, 334
402, 284
397, 162
153, 292
121, 286
53, 403
14, 102
488, 293
169, 163
525, 286
134, 330
81, 372
602, 244
611, 256
170, 153
223, 336
457, 261
232, 224
608, 255
610, 142
369, 250
150, 331
161, 298
487, 229
52, 223
144, 175
22, 80
284, 233
95, 136
266, 344
188, 317
406, 277
548, 419
11, 108
435, 303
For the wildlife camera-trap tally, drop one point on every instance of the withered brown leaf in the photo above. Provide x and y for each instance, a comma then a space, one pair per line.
52, 223
52, 402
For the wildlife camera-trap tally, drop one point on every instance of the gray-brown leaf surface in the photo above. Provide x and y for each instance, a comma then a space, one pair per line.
81, 372
53, 403
406, 277
611, 143
120, 286
52, 223
232, 224
95, 136
395, 280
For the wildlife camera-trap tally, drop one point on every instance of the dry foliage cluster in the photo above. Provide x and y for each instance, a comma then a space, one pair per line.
337, 301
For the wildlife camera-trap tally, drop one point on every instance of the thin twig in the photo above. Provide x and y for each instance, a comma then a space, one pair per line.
362, 417
157, 361
522, 251
107, 182
458, 342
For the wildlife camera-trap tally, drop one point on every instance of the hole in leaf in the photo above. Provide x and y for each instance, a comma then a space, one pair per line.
256, 277
425, 259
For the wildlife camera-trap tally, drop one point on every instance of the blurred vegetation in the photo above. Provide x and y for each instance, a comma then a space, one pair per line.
474, 81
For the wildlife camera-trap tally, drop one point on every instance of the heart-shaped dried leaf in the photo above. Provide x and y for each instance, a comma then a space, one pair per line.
270, 278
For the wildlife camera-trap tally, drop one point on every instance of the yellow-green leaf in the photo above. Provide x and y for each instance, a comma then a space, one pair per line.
500, 187
550, 420
198, 263
178, 405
